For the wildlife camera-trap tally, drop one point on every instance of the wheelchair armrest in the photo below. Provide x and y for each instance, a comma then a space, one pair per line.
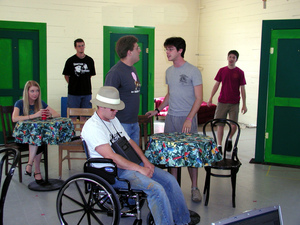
100, 160
75, 138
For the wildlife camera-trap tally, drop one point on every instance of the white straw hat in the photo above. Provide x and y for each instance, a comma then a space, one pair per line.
108, 97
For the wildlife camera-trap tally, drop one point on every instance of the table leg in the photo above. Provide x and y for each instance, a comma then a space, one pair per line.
50, 184
195, 217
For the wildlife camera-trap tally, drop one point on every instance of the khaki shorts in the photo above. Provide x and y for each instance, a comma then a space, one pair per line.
231, 109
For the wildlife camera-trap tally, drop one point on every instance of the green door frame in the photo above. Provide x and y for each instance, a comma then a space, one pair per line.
107, 30
267, 27
41, 29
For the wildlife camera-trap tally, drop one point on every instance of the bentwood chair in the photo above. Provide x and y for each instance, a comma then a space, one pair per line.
230, 160
14, 155
7, 129
75, 146
145, 132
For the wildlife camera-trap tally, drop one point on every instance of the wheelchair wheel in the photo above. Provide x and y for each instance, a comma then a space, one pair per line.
87, 199
150, 219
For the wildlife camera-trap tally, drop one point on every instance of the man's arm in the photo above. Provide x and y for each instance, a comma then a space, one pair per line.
213, 92
243, 93
106, 151
187, 125
141, 155
67, 78
161, 106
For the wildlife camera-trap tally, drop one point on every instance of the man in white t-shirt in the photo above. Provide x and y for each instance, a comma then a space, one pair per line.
165, 199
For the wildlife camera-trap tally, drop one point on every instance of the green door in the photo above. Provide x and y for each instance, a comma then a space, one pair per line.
145, 66
22, 58
283, 107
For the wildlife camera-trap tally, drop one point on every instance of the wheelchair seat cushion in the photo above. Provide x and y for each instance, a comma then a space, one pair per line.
108, 173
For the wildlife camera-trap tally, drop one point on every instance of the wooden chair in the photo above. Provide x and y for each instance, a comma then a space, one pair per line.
75, 146
144, 122
9, 140
230, 163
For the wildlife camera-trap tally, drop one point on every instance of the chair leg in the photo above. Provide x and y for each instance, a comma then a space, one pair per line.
207, 185
233, 184
60, 152
20, 169
69, 160
6, 164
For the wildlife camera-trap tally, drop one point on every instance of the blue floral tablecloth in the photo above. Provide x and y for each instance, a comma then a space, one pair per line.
181, 149
50, 131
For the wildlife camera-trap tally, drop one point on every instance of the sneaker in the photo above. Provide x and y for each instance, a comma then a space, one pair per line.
196, 196
228, 146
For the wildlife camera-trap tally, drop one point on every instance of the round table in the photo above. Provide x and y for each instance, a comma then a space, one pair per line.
182, 150
38, 132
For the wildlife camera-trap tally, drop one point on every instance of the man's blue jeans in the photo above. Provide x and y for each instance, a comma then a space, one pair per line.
79, 101
165, 199
133, 131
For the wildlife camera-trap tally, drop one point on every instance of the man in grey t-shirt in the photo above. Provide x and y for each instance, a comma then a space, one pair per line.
184, 97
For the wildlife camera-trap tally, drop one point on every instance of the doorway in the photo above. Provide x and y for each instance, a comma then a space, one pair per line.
279, 97
22, 58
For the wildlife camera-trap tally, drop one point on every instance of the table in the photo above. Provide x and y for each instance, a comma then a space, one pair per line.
37, 132
182, 150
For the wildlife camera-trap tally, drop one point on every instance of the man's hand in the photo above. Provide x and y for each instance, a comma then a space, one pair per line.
149, 165
146, 171
151, 113
244, 109
209, 102
187, 126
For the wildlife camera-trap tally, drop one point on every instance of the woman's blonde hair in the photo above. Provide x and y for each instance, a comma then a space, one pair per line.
38, 101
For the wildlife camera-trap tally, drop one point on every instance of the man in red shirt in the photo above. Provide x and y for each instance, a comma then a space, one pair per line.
233, 85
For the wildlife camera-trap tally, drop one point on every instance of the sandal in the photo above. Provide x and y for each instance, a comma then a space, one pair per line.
41, 181
26, 172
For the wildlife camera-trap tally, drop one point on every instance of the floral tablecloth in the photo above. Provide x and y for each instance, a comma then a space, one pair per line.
50, 131
181, 149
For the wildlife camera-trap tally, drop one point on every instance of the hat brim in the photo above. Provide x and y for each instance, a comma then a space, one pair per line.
119, 106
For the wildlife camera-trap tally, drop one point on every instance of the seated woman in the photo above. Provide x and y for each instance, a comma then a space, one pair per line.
31, 106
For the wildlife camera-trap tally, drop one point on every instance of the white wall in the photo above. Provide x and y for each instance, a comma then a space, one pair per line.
232, 24
70, 19
210, 27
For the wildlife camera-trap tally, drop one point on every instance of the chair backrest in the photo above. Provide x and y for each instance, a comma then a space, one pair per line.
15, 155
74, 112
144, 121
7, 124
212, 124
85, 149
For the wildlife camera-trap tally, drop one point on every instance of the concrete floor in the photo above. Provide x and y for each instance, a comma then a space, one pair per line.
258, 186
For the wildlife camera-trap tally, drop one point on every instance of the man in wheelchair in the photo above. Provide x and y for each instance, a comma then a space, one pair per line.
103, 135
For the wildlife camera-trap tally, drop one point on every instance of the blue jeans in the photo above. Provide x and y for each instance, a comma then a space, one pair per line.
79, 101
133, 131
165, 199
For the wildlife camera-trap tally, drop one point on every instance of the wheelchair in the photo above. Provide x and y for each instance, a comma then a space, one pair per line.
89, 197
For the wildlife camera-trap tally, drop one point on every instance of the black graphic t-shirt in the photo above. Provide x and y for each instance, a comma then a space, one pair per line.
79, 72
